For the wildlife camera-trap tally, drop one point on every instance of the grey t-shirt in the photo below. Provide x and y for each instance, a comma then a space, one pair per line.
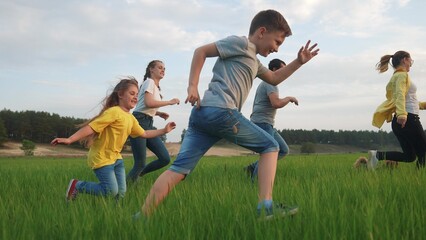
233, 73
263, 111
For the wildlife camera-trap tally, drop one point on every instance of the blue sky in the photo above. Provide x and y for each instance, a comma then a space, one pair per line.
64, 56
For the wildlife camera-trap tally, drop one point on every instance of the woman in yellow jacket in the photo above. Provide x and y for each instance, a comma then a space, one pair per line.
402, 108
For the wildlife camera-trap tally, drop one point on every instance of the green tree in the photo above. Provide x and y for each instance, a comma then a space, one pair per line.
28, 147
163, 138
40, 127
182, 135
307, 147
3, 133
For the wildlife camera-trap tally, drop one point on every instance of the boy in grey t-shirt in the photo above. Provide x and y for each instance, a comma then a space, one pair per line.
217, 116
265, 105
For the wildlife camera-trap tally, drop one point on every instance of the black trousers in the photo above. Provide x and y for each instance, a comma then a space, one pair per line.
412, 139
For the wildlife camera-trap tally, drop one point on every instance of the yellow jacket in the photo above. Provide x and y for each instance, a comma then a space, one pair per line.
396, 90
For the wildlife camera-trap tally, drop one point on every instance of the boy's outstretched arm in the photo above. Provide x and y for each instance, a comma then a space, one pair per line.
198, 59
81, 133
305, 54
277, 102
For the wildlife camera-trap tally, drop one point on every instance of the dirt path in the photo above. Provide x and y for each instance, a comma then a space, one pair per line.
12, 149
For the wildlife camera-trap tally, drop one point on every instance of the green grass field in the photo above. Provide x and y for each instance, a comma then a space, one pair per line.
217, 201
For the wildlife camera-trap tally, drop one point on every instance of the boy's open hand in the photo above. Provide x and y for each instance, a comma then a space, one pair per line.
193, 97
293, 100
306, 53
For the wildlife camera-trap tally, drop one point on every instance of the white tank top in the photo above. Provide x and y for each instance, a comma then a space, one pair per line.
411, 102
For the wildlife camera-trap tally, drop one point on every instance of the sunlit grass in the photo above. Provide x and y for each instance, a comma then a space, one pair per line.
217, 201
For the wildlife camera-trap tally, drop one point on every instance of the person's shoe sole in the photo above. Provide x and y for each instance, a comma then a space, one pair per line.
68, 194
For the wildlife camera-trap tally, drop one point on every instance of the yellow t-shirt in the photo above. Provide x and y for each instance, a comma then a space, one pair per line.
113, 127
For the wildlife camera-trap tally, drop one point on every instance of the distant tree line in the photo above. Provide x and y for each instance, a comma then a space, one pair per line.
38, 127
42, 127
363, 139
3, 132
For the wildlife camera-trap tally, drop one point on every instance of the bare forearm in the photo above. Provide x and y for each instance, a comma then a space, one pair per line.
156, 104
154, 133
197, 64
282, 74
305, 54
81, 133
280, 103
158, 113
277, 102
284, 102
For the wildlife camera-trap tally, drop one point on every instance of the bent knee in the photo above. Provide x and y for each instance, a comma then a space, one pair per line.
112, 192
282, 153
411, 159
165, 160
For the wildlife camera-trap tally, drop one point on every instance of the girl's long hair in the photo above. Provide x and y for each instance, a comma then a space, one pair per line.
397, 57
147, 75
109, 101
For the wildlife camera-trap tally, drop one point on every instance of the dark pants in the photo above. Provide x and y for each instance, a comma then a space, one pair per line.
412, 139
139, 146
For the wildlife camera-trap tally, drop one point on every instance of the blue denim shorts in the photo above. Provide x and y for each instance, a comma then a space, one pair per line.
274, 133
207, 125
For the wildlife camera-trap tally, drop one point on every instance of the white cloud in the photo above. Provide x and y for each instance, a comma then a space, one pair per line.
89, 30
403, 3
359, 19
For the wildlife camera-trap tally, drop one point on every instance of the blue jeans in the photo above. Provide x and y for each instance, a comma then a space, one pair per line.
280, 140
207, 125
284, 150
112, 181
139, 146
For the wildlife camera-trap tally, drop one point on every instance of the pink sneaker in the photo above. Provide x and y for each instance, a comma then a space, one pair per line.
72, 192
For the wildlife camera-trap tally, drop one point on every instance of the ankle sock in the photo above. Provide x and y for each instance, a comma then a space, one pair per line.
267, 204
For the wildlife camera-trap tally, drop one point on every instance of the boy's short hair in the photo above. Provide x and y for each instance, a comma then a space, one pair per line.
271, 20
275, 64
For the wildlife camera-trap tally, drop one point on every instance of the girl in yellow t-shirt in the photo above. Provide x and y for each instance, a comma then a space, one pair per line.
106, 135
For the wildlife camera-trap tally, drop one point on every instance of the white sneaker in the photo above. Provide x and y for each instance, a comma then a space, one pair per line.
372, 159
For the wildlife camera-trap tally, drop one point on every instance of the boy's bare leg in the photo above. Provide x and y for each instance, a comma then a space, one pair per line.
266, 174
161, 188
